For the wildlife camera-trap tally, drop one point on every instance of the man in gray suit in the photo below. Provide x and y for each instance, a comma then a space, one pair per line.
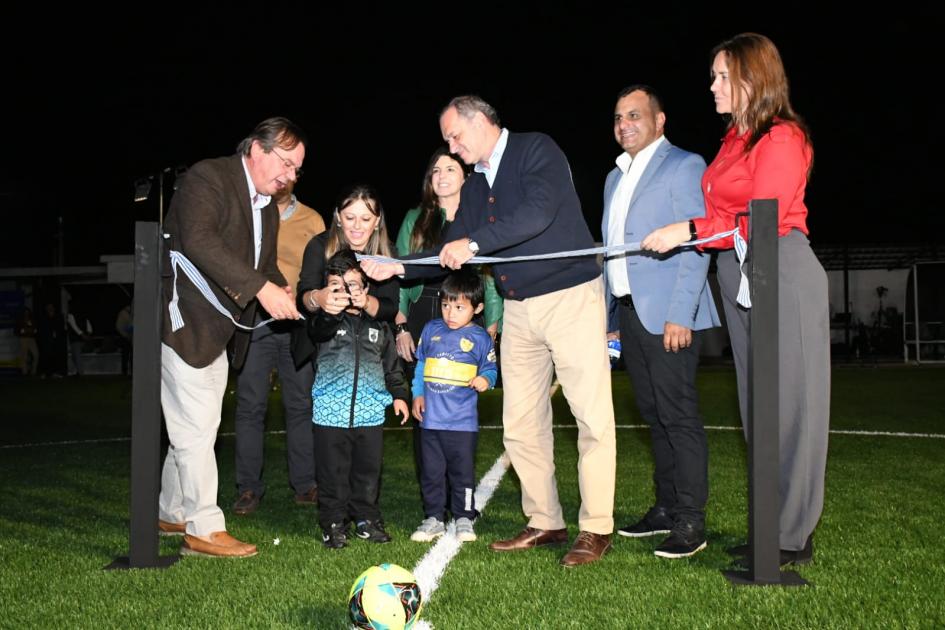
224, 220
656, 306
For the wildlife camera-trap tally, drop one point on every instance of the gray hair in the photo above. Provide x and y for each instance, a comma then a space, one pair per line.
469, 104
272, 132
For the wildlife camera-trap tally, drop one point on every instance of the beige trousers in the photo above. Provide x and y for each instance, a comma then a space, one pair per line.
565, 333
192, 399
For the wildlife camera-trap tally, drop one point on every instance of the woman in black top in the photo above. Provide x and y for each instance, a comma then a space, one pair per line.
357, 224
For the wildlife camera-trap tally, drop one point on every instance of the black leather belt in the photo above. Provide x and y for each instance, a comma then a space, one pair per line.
625, 300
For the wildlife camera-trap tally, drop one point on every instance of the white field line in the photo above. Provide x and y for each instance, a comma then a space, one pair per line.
494, 427
432, 565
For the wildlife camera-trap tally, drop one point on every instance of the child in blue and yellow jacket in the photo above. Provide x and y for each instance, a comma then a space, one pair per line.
455, 362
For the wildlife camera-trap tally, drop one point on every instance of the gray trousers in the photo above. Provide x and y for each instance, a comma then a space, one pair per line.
272, 350
804, 378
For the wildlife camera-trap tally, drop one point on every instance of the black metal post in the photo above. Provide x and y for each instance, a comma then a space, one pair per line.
146, 405
764, 499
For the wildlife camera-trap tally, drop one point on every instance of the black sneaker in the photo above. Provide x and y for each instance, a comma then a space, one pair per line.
656, 521
336, 536
686, 539
373, 531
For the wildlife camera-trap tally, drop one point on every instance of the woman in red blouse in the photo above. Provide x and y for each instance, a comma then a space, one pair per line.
766, 154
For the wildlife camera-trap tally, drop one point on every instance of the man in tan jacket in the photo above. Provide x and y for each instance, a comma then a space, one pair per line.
271, 349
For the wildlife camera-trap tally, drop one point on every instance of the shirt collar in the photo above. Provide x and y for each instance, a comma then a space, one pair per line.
624, 160
290, 209
258, 200
492, 164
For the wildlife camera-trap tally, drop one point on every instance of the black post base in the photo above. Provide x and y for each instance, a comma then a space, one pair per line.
745, 578
122, 562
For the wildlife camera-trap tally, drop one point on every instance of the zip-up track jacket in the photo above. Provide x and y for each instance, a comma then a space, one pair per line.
358, 374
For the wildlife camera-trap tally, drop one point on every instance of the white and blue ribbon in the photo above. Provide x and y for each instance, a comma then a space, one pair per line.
177, 320
590, 251
744, 289
741, 247
179, 260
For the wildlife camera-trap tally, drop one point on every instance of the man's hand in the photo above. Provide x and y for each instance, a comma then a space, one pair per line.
418, 408
455, 253
277, 301
493, 330
400, 409
667, 237
379, 271
613, 335
479, 383
676, 337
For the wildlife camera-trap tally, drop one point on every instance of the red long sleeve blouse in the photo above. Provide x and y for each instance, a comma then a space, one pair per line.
775, 168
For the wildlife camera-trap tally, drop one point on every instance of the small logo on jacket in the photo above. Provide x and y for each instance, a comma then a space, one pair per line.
372, 334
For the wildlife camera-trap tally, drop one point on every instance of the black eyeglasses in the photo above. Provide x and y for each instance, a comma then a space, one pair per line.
289, 164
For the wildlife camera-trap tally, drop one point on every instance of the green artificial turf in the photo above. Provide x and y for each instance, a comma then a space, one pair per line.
878, 550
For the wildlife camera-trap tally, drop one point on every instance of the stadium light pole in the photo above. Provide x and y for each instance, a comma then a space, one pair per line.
143, 186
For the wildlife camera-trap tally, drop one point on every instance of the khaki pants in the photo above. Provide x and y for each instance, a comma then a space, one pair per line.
192, 399
562, 332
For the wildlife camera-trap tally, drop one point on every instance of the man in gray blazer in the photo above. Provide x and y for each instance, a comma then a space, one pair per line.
223, 219
656, 306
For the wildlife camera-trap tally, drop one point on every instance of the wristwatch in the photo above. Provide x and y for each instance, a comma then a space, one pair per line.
693, 233
401, 328
474, 247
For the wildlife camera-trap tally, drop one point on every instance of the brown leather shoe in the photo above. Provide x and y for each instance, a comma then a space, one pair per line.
588, 547
166, 528
531, 537
307, 498
246, 503
220, 545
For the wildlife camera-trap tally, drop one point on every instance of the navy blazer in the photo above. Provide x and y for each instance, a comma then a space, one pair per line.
671, 287
532, 208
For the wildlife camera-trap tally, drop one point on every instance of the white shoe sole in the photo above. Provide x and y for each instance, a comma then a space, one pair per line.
655, 532
469, 537
424, 537
666, 554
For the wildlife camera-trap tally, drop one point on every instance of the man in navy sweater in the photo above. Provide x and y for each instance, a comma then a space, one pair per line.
521, 200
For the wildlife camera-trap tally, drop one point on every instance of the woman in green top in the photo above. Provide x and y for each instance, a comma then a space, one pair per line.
421, 230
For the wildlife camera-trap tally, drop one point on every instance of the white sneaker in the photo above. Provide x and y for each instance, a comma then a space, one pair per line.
429, 529
464, 529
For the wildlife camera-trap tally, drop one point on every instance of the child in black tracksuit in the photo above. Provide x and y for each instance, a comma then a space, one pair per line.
357, 377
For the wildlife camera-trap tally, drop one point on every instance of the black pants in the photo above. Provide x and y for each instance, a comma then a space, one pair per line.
348, 462
271, 349
665, 387
448, 456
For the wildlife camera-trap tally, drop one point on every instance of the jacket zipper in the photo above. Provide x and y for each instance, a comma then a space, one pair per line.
357, 365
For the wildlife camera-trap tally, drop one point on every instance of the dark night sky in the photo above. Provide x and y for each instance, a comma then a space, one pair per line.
111, 104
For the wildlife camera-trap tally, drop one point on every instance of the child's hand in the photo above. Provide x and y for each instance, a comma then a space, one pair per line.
479, 383
358, 298
400, 409
418, 408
